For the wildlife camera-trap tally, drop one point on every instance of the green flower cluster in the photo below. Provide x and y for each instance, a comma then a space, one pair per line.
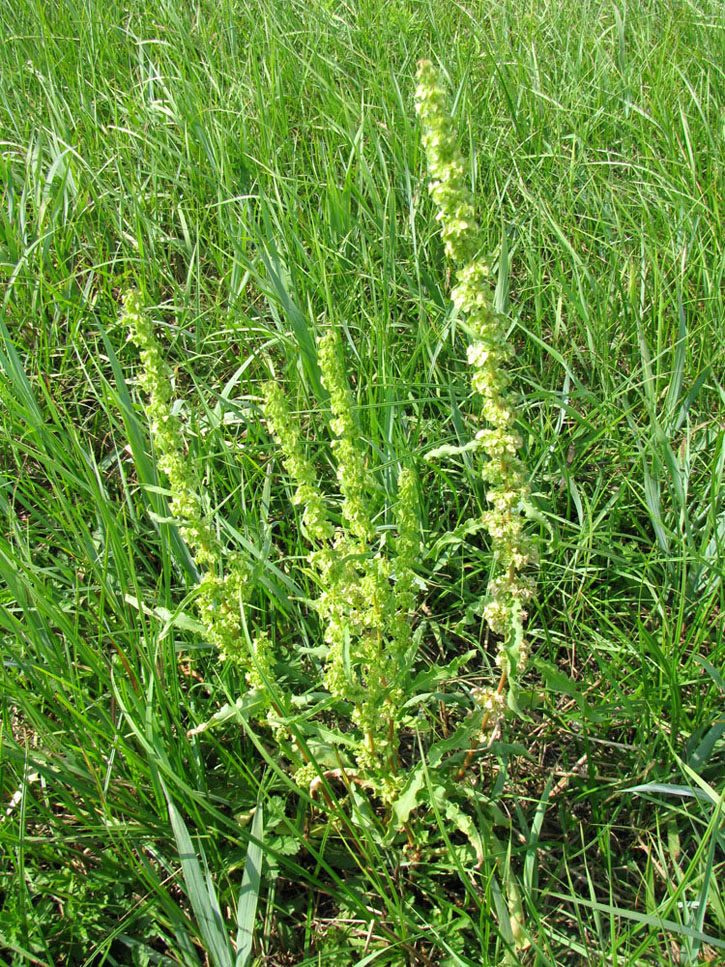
155, 380
488, 354
222, 590
315, 523
351, 472
366, 596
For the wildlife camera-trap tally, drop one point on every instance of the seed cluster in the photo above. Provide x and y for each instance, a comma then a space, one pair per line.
224, 584
366, 594
488, 354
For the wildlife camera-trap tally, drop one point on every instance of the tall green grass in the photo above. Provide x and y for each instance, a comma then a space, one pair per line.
256, 169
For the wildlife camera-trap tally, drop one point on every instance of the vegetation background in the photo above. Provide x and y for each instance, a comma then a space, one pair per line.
255, 169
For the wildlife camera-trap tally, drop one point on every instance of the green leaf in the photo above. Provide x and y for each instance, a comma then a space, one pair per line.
249, 893
448, 450
557, 681
407, 801
654, 921
712, 672
464, 823
171, 619
456, 537
466, 735
425, 681
700, 756
668, 789
652, 499
244, 708
200, 891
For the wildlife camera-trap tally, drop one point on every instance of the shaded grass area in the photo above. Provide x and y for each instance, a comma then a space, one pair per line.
255, 170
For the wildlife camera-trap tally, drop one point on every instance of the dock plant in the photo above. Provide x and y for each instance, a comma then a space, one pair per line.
511, 588
366, 599
365, 576
223, 580
368, 690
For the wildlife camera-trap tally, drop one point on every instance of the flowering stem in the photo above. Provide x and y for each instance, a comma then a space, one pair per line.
221, 592
471, 754
488, 355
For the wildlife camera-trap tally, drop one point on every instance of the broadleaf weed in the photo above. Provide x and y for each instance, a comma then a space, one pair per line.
488, 354
366, 578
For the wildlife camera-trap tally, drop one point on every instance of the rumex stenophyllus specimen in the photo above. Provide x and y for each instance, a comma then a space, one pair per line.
365, 581
224, 580
507, 491
365, 594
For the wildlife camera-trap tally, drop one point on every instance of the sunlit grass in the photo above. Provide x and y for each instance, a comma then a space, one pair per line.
256, 170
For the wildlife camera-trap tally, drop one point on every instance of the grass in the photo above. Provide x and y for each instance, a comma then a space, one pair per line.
255, 169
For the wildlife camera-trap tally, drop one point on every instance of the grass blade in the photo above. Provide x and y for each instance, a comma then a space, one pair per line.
249, 893
200, 892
